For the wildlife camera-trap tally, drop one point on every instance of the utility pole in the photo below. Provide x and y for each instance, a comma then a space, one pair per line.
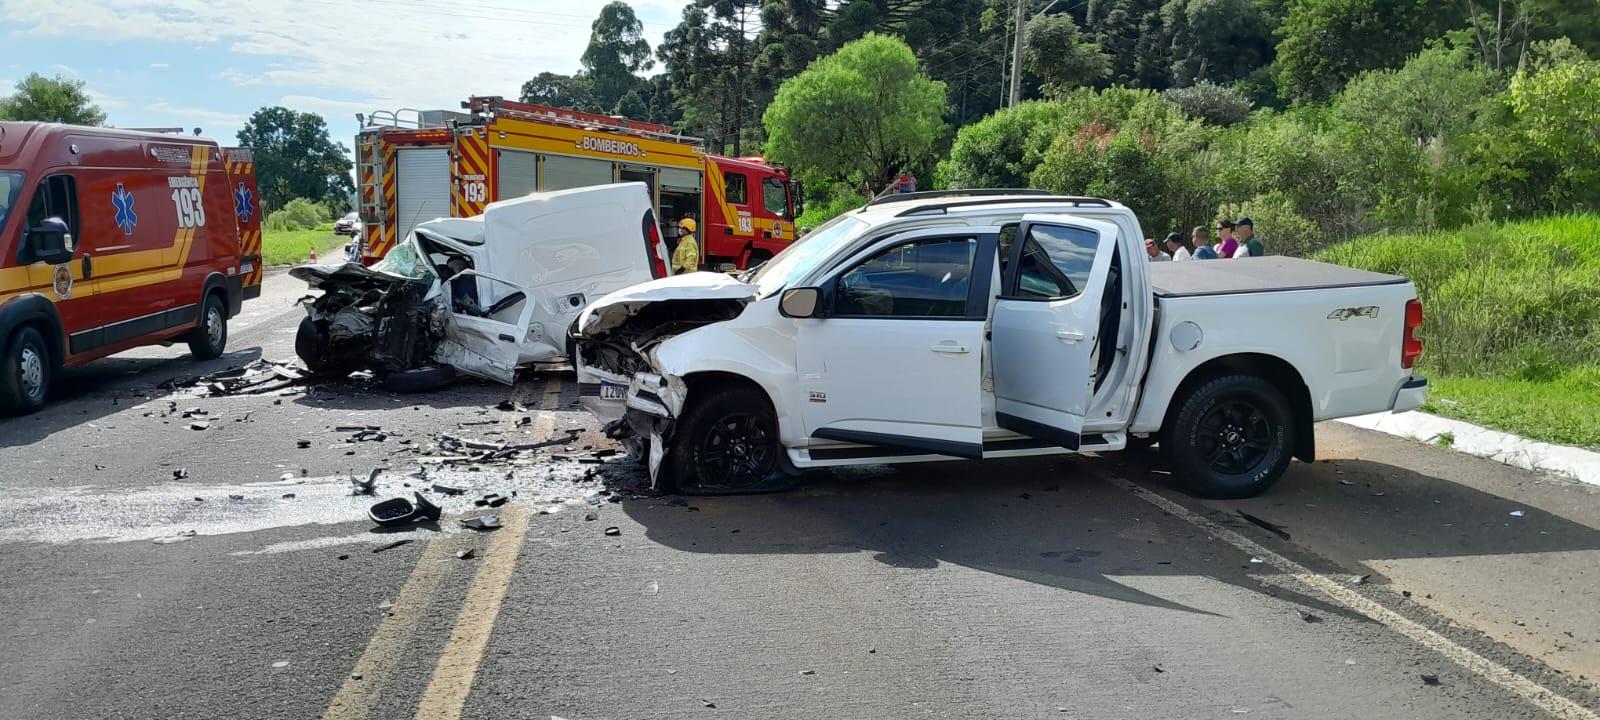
1016, 60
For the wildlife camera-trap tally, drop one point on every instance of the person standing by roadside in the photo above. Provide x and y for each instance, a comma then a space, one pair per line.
1176, 246
686, 257
1155, 253
1202, 244
1226, 245
1249, 244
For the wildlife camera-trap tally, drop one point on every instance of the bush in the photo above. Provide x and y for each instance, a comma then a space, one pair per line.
298, 214
1211, 103
835, 200
1002, 149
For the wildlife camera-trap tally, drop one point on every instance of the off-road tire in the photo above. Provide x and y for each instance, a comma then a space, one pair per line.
730, 411
311, 344
209, 338
1234, 412
25, 372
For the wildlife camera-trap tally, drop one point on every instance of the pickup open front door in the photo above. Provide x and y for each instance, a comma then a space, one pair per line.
1046, 322
484, 339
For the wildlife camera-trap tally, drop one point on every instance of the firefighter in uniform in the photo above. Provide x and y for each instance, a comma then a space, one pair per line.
686, 258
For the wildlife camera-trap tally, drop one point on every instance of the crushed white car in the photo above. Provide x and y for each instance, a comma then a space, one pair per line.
483, 295
985, 324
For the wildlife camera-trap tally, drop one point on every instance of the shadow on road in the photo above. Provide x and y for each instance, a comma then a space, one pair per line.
92, 391
1048, 521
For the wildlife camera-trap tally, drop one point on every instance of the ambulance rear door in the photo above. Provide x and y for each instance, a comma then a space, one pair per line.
241, 170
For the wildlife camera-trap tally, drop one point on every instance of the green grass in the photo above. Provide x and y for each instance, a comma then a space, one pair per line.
1512, 321
289, 247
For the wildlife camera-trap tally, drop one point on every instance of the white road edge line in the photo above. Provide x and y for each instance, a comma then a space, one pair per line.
1539, 695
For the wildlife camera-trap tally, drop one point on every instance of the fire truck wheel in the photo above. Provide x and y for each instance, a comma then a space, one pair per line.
24, 372
210, 337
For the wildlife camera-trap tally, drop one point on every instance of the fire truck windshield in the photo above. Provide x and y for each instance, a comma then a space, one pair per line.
10, 187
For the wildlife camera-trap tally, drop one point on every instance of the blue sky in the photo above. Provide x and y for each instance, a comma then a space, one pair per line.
185, 63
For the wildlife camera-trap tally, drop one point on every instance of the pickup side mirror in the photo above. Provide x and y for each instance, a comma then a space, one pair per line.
800, 302
49, 242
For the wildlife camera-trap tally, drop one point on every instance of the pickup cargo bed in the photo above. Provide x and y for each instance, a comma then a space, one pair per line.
1256, 275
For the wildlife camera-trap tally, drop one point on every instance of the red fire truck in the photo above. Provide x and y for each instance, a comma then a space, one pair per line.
414, 166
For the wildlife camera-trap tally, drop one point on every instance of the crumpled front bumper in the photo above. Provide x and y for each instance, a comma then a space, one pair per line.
643, 406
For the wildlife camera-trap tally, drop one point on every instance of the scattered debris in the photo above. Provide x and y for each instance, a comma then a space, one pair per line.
302, 444
1518, 513
367, 486
1264, 525
707, 703
393, 545
288, 496
281, 664
1343, 481
397, 512
1256, 561
444, 489
1310, 617
652, 588
201, 425
466, 554
613, 531
235, 497
1157, 668
180, 473
180, 537
1430, 679
491, 500
485, 522
808, 672
1360, 579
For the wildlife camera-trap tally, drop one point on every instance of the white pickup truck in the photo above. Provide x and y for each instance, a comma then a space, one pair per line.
985, 324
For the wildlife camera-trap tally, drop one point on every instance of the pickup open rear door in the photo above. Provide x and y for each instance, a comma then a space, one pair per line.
241, 168
1044, 335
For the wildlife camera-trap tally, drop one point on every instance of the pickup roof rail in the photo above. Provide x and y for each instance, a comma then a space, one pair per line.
940, 208
935, 194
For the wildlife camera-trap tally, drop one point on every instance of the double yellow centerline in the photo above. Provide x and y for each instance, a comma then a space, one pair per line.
458, 663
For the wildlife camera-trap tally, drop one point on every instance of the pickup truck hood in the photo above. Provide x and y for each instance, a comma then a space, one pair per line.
614, 309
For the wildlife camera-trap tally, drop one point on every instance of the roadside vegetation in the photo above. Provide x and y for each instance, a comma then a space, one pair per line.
1512, 320
290, 233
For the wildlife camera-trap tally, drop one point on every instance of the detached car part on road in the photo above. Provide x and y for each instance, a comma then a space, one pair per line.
983, 324
483, 295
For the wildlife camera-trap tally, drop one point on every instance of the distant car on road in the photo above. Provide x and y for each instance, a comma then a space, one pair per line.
982, 324
348, 225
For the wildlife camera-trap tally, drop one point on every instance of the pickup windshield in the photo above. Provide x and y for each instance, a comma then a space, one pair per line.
406, 260
802, 257
10, 188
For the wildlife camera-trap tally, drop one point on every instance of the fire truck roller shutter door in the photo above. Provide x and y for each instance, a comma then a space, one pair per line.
422, 187
564, 173
685, 181
518, 173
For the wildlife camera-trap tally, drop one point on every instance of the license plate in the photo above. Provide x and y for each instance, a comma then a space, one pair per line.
611, 391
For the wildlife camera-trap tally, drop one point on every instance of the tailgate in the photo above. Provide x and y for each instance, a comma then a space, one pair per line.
247, 211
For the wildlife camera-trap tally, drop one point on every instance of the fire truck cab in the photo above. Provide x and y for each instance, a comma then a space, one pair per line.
112, 239
414, 166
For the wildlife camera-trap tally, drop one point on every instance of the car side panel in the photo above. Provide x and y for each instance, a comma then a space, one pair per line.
1351, 366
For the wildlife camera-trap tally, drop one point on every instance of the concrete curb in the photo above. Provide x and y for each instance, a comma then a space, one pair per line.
1568, 462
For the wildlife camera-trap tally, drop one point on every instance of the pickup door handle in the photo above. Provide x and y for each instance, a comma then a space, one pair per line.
953, 349
1070, 335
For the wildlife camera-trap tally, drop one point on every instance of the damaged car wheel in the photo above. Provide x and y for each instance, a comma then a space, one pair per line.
727, 443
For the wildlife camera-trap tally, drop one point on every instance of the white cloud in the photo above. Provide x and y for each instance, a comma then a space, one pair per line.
64, 69
158, 66
381, 53
194, 114
105, 101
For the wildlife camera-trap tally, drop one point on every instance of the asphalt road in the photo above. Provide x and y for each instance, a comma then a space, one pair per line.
1393, 580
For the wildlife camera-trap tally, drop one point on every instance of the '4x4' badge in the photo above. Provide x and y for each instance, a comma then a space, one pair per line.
126, 219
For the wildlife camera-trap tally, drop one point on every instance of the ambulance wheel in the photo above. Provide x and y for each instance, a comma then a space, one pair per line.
24, 372
726, 443
210, 337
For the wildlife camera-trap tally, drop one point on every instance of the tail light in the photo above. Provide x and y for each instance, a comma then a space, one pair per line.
652, 241
1410, 344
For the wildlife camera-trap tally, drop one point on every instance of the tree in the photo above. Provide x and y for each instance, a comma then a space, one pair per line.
1002, 150
574, 92
864, 113
708, 58
56, 99
1209, 102
617, 49
1220, 40
1324, 43
296, 158
1062, 56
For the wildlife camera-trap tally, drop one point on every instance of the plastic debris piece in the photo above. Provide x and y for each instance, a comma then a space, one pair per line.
302, 444
466, 554
1518, 513
1310, 618
485, 522
1430, 679
281, 664
613, 531
652, 588
444, 489
180, 473
201, 425
393, 545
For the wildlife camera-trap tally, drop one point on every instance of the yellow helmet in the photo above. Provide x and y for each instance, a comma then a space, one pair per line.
687, 224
